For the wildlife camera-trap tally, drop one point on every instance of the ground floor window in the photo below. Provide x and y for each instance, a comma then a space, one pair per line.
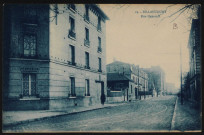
72, 80
29, 84
87, 91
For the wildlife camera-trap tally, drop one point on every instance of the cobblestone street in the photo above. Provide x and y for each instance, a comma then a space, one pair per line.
154, 114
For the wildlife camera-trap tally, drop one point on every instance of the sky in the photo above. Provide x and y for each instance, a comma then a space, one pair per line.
148, 41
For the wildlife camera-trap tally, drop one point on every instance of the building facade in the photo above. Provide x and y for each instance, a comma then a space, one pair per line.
157, 81
137, 79
194, 46
56, 56
170, 88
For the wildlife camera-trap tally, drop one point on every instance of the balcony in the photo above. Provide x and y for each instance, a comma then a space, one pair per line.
86, 42
86, 18
99, 27
72, 34
99, 49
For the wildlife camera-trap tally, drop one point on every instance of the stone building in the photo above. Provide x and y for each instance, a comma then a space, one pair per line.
56, 56
135, 81
194, 45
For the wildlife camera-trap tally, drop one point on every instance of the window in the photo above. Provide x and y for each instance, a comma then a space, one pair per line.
72, 7
72, 81
87, 59
72, 28
29, 11
99, 23
99, 45
72, 49
30, 14
29, 42
86, 15
29, 84
86, 40
99, 65
87, 92
131, 88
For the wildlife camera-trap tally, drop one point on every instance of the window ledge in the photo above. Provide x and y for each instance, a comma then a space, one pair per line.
72, 97
87, 45
99, 30
115, 91
73, 38
34, 24
29, 98
87, 96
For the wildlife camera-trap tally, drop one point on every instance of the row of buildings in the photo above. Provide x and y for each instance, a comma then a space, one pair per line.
54, 56
192, 82
126, 82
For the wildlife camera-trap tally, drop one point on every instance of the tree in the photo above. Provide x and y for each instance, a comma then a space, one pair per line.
192, 9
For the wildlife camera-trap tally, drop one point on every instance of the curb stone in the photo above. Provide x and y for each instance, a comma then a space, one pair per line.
174, 115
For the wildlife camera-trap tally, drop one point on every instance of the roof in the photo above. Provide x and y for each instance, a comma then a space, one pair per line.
98, 9
118, 62
117, 77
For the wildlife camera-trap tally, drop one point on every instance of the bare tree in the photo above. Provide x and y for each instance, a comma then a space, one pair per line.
193, 10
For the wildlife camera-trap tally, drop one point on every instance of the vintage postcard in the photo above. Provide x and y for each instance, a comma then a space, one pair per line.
101, 68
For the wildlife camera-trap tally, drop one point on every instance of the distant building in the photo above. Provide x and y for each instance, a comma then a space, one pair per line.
137, 79
194, 45
119, 87
170, 88
157, 80
56, 56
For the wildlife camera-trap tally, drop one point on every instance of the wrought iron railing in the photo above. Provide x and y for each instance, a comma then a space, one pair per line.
99, 49
72, 34
86, 42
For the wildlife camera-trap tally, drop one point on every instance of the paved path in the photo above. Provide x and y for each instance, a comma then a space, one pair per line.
154, 114
187, 118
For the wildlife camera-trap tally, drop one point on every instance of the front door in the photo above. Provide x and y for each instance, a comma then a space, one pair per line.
102, 97
136, 93
102, 88
127, 94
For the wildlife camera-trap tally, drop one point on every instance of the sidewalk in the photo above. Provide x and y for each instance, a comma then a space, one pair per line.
186, 118
16, 117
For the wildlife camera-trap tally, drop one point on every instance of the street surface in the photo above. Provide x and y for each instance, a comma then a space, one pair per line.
153, 114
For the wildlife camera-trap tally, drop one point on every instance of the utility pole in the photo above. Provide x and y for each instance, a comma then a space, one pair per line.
181, 75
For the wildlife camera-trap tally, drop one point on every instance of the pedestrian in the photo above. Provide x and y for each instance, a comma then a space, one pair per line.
103, 99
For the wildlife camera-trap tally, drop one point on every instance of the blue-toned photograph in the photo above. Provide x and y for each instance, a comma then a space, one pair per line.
101, 68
